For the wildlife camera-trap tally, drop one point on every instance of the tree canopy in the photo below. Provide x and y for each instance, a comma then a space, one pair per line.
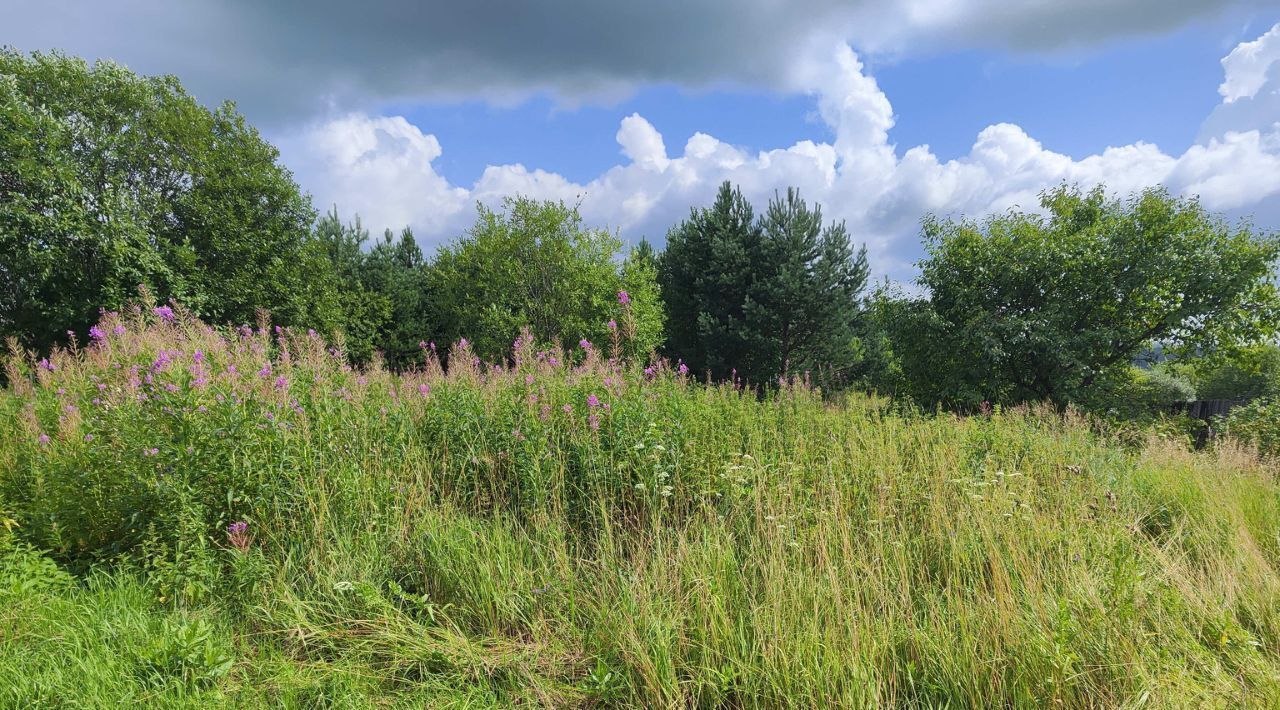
109, 181
535, 264
762, 298
1030, 306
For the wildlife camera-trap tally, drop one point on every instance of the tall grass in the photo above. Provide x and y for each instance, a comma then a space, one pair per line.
568, 530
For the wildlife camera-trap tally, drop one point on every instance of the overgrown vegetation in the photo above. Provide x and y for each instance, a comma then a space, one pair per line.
255, 523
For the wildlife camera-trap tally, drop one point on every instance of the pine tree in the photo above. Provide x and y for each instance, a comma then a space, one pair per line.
706, 276
804, 303
766, 298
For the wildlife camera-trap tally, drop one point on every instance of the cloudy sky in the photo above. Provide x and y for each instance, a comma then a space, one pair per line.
882, 111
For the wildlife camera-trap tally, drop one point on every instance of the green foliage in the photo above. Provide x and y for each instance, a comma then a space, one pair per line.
109, 181
460, 538
534, 264
1025, 307
1246, 373
1138, 394
767, 298
1257, 424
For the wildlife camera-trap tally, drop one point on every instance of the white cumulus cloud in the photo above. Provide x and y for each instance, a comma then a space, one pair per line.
381, 167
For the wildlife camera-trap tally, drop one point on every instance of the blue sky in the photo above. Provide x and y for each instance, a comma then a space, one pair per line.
410, 112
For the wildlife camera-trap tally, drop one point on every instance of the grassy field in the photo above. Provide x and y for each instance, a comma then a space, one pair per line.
195, 518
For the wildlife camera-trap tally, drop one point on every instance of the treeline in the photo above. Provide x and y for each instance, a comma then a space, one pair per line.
110, 181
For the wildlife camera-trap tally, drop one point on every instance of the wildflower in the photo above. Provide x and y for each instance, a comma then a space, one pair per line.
424, 389
311, 332
683, 368
265, 372
612, 324
593, 401
44, 364
238, 535
568, 409
528, 379
624, 298
197, 356
96, 401
88, 437
165, 313
584, 344
648, 371
594, 422
422, 345
553, 361
282, 382
43, 439
118, 329
202, 409
150, 452
462, 343
96, 333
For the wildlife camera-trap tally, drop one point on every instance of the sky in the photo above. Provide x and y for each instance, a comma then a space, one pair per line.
409, 113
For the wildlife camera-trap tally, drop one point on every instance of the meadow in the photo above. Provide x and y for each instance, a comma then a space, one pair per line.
196, 517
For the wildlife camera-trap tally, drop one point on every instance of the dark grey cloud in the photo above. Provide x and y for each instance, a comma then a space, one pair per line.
282, 60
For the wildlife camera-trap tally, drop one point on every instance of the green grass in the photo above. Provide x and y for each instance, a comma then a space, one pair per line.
455, 544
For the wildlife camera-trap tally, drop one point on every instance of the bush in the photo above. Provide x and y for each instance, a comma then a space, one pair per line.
1256, 424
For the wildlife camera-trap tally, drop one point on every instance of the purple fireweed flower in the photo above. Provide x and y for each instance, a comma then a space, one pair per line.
462, 343
162, 360
624, 298
165, 313
282, 382
432, 346
279, 330
88, 437
568, 409
150, 452
102, 387
265, 372
118, 329
311, 332
648, 371
584, 344
553, 361
202, 409
683, 368
612, 324
238, 535
44, 364
422, 345
62, 391
96, 401
169, 386
96, 333
43, 439
528, 379
594, 422
361, 380
197, 356
424, 390
593, 401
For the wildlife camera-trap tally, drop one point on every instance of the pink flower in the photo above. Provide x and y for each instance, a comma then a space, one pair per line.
150, 452
593, 401
88, 437
118, 329
613, 324
624, 298
584, 344
568, 409
165, 313
43, 439
282, 382
683, 368
96, 333
44, 364
424, 390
